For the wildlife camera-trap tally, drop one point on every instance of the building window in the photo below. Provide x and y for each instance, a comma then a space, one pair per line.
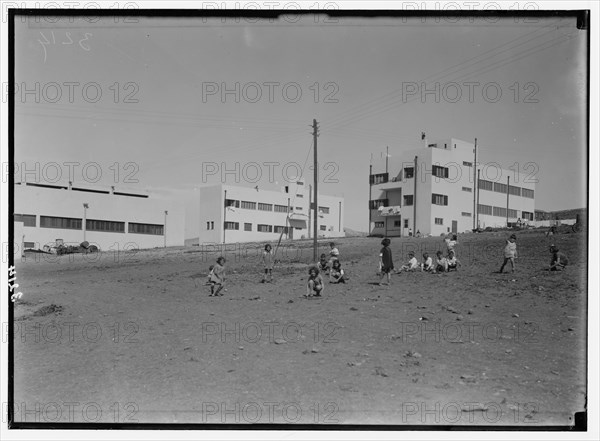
247, 227
380, 178
408, 199
281, 208
469, 189
66, 223
298, 208
499, 211
249, 205
512, 213
325, 210
467, 164
484, 209
207, 225
405, 223
486, 185
232, 225
440, 172
29, 245
379, 224
27, 219
322, 228
527, 193
281, 229
397, 224
409, 172
212, 225
466, 214
500, 188
264, 228
439, 199
516, 191
299, 195
265, 207
101, 225
527, 215
157, 230
439, 221
232, 203
376, 203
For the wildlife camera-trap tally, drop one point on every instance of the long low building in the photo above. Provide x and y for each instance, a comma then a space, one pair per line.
230, 214
111, 219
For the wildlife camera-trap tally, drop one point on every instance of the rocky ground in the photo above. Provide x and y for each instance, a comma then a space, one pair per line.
134, 337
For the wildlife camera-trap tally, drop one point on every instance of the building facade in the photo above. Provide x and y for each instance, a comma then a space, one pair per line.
108, 218
231, 214
432, 190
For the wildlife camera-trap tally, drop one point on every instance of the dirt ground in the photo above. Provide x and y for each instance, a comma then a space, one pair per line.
132, 337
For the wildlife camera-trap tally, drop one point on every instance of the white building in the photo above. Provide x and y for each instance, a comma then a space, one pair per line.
111, 219
230, 214
440, 195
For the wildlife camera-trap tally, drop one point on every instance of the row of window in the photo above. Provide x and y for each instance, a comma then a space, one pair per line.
70, 223
262, 228
501, 188
501, 212
248, 205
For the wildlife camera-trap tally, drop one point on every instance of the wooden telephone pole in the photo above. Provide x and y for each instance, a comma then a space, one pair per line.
315, 127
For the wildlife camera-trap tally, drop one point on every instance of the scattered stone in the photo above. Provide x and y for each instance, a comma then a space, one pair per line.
314, 350
280, 341
413, 354
470, 311
379, 371
241, 348
516, 315
508, 351
570, 329
554, 372
459, 317
187, 348
290, 301
423, 318
353, 309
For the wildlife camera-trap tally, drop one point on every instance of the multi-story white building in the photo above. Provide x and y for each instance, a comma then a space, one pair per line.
431, 190
230, 214
111, 219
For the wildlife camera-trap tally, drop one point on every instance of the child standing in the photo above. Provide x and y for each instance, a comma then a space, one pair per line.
334, 254
314, 287
217, 278
441, 263
337, 273
510, 253
385, 261
427, 264
451, 243
267, 258
559, 261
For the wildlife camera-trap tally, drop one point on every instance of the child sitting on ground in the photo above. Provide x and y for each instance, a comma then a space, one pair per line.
453, 262
559, 261
323, 264
217, 278
337, 273
427, 264
441, 263
412, 263
510, 253
334, 254
314, 286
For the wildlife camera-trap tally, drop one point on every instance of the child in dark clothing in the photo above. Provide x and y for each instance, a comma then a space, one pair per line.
559, 261
323, 264
337, 273
386, 263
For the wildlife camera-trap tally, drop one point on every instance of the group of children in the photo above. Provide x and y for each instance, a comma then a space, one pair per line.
332, 267
441, 264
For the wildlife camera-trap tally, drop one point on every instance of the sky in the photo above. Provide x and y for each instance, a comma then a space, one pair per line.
162, 120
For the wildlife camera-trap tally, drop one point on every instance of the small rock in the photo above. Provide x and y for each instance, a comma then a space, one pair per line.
423, 318
314, 350
470, 311
241, 348
290, 301
508, 351
280, 341
353, 309
516, 315
459, 317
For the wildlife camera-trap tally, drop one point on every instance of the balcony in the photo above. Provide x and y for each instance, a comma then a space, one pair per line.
393, 210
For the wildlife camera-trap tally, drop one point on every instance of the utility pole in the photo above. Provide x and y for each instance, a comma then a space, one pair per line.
475, 184
507, 197
478, 172
415, 198
316, 179
224, 216
165, 232
309, 205
370, 192
387, 156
